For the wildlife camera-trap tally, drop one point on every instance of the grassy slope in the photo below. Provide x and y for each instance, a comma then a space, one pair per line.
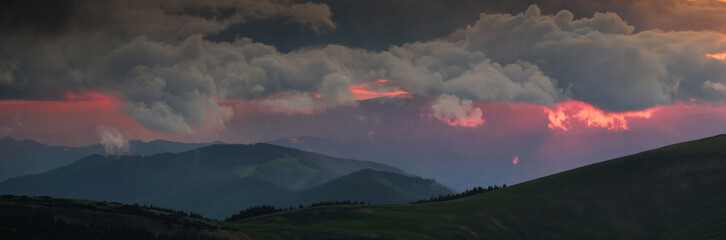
672, 192
221, 198
374, 187
286, 171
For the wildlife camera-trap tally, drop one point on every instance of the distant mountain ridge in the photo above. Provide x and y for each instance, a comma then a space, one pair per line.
219, 180
22, 157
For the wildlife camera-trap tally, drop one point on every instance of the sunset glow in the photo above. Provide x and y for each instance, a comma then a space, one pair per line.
74, 120
376, 89
564, 113
93, 97
723, 1
88, 96
719, 56
53, 120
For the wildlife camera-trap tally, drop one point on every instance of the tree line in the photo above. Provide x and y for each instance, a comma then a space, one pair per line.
473, 191
139, 209
269, 209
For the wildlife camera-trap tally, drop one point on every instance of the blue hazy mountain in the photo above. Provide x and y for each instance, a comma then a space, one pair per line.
220, 180
24, 157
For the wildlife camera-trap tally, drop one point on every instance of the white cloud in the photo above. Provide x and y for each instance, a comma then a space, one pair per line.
112, 140
455, 112
18, 119
6, 72
716, 87
289, 103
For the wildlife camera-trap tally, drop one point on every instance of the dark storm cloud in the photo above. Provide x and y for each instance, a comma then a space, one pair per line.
130, 48
155, 57
377, 24
43, 17
599, 60
48, 17
666, 15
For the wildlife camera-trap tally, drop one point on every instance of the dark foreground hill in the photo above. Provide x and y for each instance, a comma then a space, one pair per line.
51, 218
675, 192
218, 181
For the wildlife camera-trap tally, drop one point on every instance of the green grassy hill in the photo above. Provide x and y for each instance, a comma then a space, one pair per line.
675, 192
374, 187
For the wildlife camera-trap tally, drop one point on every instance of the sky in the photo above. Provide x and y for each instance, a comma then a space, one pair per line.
494, 91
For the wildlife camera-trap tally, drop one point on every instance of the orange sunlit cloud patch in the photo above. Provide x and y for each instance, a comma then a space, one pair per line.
562, 116
723, 1
719, 56
376, 89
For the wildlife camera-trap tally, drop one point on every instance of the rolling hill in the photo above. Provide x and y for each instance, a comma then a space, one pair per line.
675, 192
216, 181
375, 187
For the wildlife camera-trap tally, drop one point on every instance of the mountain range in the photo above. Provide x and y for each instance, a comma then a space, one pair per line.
219, 180
674, 192
30, 157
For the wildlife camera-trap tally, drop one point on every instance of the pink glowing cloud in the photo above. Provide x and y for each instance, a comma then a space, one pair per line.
565, 112
376, 89
718, 56
723, 1
307, 103
515, 160
71, 121
75, 121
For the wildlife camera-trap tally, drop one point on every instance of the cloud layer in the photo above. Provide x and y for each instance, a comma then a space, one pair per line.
599, 60
171, 78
